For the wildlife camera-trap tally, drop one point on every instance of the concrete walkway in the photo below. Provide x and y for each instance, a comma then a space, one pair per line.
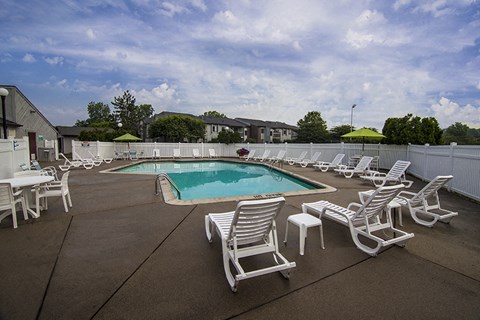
122, 253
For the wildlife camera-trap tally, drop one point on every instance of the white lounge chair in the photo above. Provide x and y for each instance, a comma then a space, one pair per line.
250, 230
96, 163
9, 201
336, 162
35, 165
132, 155
417, 203
264, 157
359, 169
395, 175
54, 189
212, 153
196, 153
292, 161
250, 155
305, 162
73, 163
279, 157
176, 153
156, 154
106, 160
365, 221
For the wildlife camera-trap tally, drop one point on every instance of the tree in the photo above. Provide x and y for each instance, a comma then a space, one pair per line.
312, 128
337, 132
410, 129
462, 134
229, 136
129, 114
99, 115
177, 128
214, 114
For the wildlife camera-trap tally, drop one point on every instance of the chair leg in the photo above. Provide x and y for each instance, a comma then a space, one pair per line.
14, 217
208, 229
69, 199
286, 233
64, 198
302, 238
321, 237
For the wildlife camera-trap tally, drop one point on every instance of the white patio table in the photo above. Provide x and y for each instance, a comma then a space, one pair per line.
26, 183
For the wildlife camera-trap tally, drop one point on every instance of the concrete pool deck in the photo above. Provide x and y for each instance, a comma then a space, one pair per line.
123, 253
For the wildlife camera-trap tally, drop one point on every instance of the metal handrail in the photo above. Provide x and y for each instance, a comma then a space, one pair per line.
164, 175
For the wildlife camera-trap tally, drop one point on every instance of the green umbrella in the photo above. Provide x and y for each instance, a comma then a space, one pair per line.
364, 133
127, 137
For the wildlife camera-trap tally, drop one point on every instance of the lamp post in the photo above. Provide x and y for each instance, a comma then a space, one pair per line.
351, 118
4, 93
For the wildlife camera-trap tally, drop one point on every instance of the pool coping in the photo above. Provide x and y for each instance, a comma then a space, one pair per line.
169, 196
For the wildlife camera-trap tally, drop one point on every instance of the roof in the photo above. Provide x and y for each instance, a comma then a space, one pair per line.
10, 123
270, 124
222, 121
73, 131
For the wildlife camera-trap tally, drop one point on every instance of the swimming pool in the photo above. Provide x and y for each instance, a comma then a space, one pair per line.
219, 179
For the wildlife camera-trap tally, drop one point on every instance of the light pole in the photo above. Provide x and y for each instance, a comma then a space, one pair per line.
4, 93
351, 118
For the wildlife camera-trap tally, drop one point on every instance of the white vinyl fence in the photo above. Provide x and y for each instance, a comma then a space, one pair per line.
463, 162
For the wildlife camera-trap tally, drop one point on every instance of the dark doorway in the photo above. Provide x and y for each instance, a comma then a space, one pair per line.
32, 143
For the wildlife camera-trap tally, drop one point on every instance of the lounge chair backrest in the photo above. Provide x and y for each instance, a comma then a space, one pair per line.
253, 220
398, 169
377, 202
281, 154
302, 156
250, 154
315, 156
363, 164
430, 189
338, 159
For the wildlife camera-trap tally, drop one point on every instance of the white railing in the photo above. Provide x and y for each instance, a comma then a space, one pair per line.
463, 162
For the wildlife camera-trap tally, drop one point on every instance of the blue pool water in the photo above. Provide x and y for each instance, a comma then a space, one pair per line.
218, 179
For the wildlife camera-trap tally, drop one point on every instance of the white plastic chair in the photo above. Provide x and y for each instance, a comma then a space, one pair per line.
176, 153
264, 157
156, 154
305, 162
250, 230
196, 153
54, 189
212, 153
365, 220
8, 202
73, 163
395, 175
360, 168
421, 211
250, 155
324, 165
106, 160
279, 157
292, 161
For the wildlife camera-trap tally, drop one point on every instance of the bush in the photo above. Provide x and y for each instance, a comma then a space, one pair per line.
242, 152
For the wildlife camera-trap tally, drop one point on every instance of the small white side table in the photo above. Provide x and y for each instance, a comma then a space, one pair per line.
304, 221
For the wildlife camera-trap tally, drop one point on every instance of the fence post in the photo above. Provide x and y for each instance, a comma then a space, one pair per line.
425, 149
452, 159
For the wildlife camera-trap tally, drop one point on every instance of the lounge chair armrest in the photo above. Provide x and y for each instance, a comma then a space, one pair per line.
18, 192
406, 195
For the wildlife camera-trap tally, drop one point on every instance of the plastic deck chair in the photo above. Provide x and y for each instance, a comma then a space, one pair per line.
366, 220
250, 230
305, 162
417, 203
73, 163
395, 175
212, 153
196, 153
336, 162
250, 155
176, 153
360, 168
264, 157
8, 202
292, 161
54, 189
106, 160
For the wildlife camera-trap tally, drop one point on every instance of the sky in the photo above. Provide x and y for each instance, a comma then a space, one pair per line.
270, 60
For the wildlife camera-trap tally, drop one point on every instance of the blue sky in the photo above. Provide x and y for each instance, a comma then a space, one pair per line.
270, 60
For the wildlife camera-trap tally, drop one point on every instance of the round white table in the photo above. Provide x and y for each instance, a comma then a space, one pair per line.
26, 182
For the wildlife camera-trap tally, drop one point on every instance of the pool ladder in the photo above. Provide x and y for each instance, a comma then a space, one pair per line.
161, 176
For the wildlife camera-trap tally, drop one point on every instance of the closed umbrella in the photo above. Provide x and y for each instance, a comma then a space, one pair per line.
364, 133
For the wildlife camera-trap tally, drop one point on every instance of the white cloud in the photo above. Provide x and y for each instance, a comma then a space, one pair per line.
29, 58
54, 60
169, 9
90, 34
448, 112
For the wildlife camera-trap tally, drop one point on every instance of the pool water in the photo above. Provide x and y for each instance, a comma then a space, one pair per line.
218, 179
